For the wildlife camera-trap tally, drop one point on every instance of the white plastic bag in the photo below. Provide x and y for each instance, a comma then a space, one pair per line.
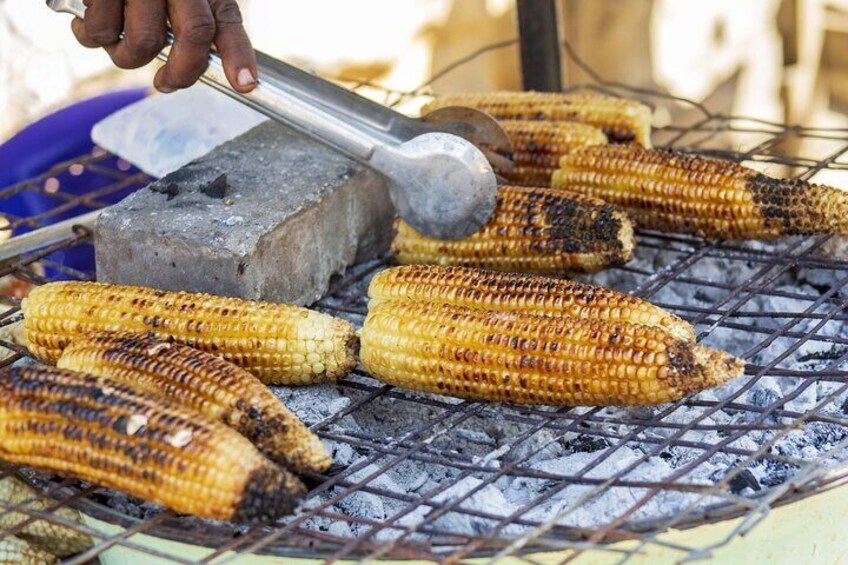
162, 133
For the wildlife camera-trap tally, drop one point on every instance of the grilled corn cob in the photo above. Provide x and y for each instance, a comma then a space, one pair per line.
15, 551
528, 359
205, 383
622, 120
59, 540
538, 146
670, 191
109, 433
532, 230
279, 344
507, 292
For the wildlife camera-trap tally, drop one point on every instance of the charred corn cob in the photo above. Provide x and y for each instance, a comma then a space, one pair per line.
57, 539
15, 551
538, 146
535, 230
206, 383
528, 359
109, 433
279, 344
507, 292
666, 190
622, 120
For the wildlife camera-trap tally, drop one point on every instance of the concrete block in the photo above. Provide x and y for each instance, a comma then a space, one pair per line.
293, 214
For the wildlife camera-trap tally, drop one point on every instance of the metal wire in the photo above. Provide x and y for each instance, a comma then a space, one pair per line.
774, 340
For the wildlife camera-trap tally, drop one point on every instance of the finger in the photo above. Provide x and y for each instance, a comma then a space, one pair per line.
194, 30
145, 29
104, 21
234, 46
78, 27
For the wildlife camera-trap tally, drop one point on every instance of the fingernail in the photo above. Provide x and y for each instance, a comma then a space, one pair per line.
245, 78
165, 89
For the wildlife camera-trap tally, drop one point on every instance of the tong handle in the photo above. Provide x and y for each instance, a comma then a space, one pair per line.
276, 99
385, 121
74, 7
335, 99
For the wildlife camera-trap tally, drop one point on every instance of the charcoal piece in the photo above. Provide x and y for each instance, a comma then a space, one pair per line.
171, 189
745, 479
217, 188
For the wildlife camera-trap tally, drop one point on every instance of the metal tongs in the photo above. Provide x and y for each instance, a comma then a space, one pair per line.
438, 168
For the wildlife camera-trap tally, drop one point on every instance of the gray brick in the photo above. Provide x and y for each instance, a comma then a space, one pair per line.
294, 214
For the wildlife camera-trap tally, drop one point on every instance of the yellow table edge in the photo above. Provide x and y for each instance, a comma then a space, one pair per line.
810, 530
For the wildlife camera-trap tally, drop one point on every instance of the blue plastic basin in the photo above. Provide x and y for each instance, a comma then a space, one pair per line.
60, 137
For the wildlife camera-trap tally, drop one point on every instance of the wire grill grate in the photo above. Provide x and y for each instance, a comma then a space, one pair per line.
742, 430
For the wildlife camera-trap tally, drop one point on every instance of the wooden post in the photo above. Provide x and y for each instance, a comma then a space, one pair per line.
538, 27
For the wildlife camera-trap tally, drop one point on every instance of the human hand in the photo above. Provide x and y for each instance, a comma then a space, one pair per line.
133, 32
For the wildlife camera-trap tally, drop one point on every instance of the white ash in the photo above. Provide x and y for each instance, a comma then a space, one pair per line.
592, 452
234, 221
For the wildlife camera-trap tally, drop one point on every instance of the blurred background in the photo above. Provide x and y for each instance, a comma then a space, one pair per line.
776, 60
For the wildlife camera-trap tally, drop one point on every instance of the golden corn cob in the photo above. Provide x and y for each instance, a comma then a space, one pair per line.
57, 539
528, 359
535, 230
15, 551
279, 344
508, 292
622, 120
670, 191
206, 383
538, 146
109, 433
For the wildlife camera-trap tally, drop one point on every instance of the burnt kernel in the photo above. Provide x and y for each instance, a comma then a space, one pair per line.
802, 208
527, 362
267, 496
684, 374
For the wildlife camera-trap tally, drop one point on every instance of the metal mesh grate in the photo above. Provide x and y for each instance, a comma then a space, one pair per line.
750, 435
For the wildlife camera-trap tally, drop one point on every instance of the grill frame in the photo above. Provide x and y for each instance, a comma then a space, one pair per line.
704, 135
